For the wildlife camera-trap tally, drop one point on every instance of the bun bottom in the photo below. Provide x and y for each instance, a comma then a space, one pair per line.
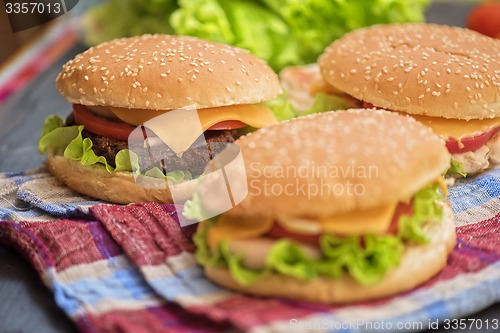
119, 187
418, 264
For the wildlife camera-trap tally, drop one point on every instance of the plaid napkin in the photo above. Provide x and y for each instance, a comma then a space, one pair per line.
132, 269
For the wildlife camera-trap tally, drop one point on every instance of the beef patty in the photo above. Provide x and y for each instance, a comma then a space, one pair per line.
193, 160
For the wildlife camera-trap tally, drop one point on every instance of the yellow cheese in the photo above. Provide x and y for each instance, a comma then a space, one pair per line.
231, 228
368, 221
181, 128
255, 115
443, 186
361, 222
457, 128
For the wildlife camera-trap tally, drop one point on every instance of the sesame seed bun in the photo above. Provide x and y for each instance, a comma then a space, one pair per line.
421, 69
163, 72
120, 187
417, 264
349, 160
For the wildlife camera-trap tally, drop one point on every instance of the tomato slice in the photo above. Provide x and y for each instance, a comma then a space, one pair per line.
470, 144
101, 126
121, 130
367, 105
277, 231
401, 209
484, 19
227, 125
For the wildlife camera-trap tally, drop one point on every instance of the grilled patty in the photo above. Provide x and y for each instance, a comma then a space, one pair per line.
193, 160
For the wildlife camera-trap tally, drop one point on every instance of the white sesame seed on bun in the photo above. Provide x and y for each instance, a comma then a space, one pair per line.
310, 166
421, 69
163, 72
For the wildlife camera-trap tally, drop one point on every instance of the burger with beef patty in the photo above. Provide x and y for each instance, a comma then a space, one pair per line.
350, 209
445, 77
123, 84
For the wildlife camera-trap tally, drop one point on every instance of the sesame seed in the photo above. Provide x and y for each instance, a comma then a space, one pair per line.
86, 77
159, 96
163, 75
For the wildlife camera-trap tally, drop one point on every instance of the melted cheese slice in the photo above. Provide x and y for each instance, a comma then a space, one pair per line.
369, 221
228, 228
180, 128
458, 128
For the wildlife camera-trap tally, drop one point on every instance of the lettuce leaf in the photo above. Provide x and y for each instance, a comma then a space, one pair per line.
282, 108
425, 209
125, 18
238, 271
282, 32
68, 141
456, 168
326, 102
287, 258
193, 208
366, 258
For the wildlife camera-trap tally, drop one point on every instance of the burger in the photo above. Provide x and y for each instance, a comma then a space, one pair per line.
352, 208
139, 86
445, 77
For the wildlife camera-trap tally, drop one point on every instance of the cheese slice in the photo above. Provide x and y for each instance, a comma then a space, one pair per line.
180, 128
361, 222
228, 228
458, 128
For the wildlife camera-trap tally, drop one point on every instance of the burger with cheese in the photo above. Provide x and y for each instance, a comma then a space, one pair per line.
445, 77
134, 85
351, 208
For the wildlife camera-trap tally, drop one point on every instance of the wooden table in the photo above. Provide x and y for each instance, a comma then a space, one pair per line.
26, 305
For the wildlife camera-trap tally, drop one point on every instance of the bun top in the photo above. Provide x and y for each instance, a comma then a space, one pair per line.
337, 162
422, 69
163, 72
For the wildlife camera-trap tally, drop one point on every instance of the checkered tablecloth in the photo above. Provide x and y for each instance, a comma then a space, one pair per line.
131, 268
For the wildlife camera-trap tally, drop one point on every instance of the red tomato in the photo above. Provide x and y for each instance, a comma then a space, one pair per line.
278, 231
470, 144
485, 19
401, 209
227, 125
367, 105
99, 125
120, 130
